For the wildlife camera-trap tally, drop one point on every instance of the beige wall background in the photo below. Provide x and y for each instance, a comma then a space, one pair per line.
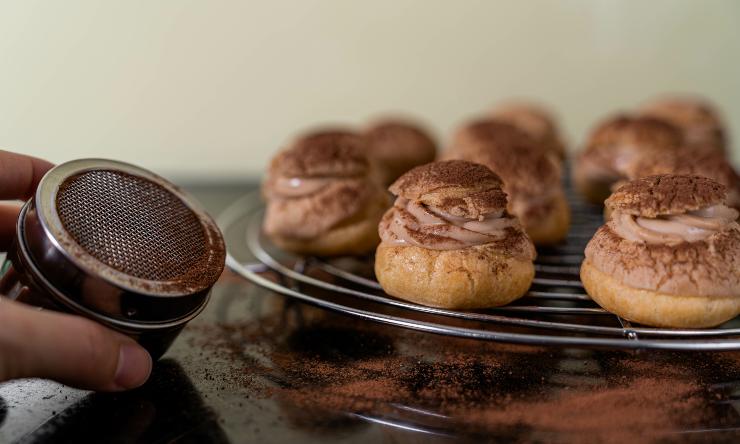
207, 90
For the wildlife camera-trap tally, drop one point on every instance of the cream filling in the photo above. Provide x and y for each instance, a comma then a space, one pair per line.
416, 224
689, 227
299, 186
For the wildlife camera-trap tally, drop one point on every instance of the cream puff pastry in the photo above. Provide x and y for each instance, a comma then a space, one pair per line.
699, 120
534, 120
531, 177
321, 197
613, 146
449, 242
396, 146
669, 256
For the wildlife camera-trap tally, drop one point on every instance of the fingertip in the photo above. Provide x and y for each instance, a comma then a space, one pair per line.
72, 350
134, 367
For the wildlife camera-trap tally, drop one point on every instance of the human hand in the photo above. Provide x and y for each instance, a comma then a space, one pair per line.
46, 344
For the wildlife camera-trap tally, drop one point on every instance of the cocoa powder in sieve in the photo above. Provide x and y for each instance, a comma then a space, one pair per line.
142, 229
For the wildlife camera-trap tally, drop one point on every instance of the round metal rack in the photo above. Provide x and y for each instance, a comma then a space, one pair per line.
556, 310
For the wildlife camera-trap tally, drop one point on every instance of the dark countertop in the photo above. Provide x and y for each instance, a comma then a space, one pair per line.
255, 367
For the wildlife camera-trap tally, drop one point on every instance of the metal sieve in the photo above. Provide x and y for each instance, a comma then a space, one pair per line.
118, 244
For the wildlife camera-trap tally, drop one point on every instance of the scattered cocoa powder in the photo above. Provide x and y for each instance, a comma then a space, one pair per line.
319, 367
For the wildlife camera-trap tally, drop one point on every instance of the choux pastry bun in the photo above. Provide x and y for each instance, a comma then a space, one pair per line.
449, 242
669, 256
321, 196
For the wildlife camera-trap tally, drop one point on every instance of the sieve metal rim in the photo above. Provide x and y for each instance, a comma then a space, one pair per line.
77, 307
48, 217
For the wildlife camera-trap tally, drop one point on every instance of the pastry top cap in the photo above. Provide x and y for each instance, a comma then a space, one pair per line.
535, 120
691, 161
644, 132
326, 153
489, 130
524, 106
458, 187
397, 145
387, 132
530, 117
683, 111
666, 194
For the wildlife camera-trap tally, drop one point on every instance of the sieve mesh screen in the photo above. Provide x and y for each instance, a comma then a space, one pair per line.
132, 225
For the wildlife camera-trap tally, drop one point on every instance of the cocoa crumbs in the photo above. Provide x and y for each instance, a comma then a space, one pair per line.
319, 367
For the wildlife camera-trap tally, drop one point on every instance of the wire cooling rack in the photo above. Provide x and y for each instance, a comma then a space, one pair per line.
556, 310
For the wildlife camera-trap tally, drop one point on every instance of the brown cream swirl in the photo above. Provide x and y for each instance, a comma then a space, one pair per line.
413, 223
693, 226
310, 208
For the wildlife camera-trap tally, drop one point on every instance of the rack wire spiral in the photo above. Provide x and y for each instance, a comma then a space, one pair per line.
556, 310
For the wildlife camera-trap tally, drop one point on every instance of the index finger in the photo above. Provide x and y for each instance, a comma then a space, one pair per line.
20, 174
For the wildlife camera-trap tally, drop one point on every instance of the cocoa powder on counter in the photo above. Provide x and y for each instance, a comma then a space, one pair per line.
313, 361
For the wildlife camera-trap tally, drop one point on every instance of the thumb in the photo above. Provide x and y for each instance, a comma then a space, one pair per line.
69, 349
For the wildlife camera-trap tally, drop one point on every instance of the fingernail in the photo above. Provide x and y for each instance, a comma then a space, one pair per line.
134, 366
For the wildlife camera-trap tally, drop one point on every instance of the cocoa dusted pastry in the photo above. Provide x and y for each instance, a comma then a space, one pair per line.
487, 133
534, 120
690, 161
669, 256
321, 198
396, 146
531, 177
448, 241
699, 120
613, 146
